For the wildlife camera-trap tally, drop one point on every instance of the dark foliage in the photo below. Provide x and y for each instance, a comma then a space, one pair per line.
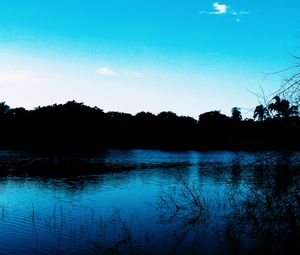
75, 126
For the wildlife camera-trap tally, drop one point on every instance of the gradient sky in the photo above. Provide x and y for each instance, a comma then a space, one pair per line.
185, 56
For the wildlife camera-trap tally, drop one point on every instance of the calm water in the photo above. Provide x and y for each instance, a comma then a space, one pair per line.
149, 202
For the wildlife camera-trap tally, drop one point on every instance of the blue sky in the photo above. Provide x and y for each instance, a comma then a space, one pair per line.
128, 55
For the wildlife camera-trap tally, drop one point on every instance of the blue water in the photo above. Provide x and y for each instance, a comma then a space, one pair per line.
128, 208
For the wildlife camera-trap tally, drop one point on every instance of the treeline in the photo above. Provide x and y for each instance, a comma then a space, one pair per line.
75, 126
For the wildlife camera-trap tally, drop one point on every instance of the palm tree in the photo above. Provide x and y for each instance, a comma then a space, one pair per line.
275, 107
260, 113
282, 107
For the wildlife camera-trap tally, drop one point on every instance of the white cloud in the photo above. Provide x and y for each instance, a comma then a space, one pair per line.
224, 9
106, 71
18, 76
220, 8
110, 72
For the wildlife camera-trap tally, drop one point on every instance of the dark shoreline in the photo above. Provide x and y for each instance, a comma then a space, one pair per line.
75, 127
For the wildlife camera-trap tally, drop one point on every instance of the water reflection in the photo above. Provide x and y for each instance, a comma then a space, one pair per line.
257, 210
149, 202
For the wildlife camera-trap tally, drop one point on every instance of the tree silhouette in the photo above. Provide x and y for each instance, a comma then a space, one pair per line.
145, 116
260, 113
76, 126
212, 118
236, 114
4, 108
282, 108
167, 115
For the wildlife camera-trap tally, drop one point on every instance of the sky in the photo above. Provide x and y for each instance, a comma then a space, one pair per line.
185, 56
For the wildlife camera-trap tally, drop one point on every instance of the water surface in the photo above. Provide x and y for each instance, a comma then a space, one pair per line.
148, 202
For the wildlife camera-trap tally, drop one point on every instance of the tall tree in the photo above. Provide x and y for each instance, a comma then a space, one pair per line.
260, 113
282, 108
236, 114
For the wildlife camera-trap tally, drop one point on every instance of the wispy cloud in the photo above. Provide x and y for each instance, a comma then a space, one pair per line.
225, 9
106, 71
240, 13
19, 76
212, 53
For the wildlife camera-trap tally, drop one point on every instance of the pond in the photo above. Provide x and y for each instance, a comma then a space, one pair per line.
149, 202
